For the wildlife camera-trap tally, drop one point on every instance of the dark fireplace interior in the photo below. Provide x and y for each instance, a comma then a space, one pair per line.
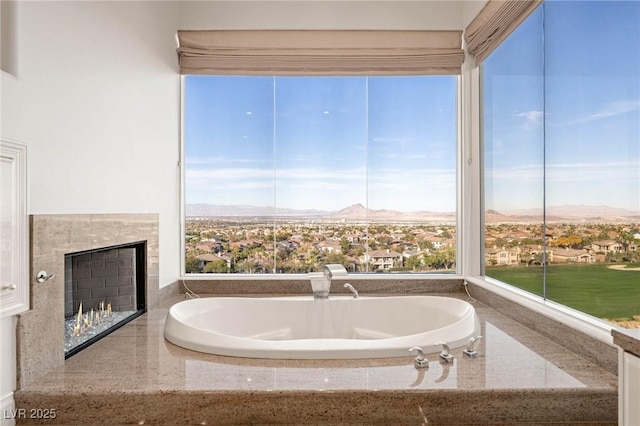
104, 289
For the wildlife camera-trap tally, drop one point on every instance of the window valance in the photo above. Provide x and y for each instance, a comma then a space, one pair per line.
494, 23
318, 52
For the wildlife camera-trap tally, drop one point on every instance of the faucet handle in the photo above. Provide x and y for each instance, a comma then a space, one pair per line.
420, 362
352, 290
470, 351
445, 355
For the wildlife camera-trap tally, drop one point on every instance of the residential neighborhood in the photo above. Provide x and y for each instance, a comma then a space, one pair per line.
515, 244
220, 245
217, 245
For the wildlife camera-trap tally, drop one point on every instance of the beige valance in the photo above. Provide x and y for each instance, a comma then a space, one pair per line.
318, 52
494, 23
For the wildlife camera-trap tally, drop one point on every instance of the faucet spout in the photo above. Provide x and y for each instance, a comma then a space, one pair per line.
321, 281
319, 285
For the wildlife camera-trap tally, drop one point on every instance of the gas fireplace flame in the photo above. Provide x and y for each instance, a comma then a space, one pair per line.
86, 321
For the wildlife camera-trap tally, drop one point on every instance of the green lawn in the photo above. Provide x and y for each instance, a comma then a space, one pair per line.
594, 289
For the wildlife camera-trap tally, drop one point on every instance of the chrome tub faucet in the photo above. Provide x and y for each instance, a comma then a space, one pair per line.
321, 281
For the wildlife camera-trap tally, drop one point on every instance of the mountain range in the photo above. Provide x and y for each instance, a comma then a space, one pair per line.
356, 212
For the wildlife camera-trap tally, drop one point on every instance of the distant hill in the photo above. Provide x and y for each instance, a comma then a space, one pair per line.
219, 210
357, 212
566, 213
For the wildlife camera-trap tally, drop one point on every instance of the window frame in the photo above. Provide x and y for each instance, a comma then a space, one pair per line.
371, 275
578, 320
470, 252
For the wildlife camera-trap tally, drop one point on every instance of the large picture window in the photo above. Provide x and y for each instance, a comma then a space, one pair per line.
562, 158
286, 174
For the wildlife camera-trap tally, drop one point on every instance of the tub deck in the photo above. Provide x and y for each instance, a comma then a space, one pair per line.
134, 376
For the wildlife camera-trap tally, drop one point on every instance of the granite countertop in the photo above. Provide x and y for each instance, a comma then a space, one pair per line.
135, 375
628, 339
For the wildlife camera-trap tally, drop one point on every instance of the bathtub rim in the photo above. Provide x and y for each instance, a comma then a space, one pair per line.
268, 349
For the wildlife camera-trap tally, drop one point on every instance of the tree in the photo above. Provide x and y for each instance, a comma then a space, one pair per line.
572, 241
525, 258
191, 265
292, 265
426, 245
538, 258
239, 254
445, 234
345, 245
384, 240
248, 266
443, 259
283, 235
414, 262
216, 266
337, 258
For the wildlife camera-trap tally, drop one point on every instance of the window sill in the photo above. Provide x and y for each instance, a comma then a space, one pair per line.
577, 320
297, 277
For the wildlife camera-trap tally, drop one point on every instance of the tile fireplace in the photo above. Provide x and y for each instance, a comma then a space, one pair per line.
40, 344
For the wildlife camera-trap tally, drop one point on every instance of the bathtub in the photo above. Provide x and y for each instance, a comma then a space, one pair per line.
341, 327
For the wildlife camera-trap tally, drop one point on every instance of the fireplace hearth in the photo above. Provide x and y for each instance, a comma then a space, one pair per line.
104, 289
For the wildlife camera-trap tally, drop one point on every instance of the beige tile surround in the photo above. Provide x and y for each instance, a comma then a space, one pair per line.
40, 331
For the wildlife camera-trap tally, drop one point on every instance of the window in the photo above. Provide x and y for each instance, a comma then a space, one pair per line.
562, 157
286, 174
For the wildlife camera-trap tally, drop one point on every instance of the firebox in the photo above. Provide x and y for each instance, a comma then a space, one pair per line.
104, 289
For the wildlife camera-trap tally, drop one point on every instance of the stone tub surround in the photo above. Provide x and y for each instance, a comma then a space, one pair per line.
520, 377
627, 339
371, 284
602, 354
167, 292
40, 331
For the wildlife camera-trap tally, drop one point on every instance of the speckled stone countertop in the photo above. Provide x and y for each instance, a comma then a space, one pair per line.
134, 376
627, 339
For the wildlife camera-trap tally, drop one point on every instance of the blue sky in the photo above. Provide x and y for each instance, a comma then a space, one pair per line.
390, 142
583, 117
322, 142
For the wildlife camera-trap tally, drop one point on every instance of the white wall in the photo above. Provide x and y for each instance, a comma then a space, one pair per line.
95, 95
322, 15
94, 92
470, 9
92, 88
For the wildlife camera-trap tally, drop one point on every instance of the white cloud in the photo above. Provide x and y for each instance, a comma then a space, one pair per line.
229, 174
191, 161
570, 172
532, 117
615, 172
610, 109
382, 139
528, 172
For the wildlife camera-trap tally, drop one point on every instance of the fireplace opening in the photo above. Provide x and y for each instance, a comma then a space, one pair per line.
104, 289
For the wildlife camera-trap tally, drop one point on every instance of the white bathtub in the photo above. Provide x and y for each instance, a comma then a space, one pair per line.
340, 327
